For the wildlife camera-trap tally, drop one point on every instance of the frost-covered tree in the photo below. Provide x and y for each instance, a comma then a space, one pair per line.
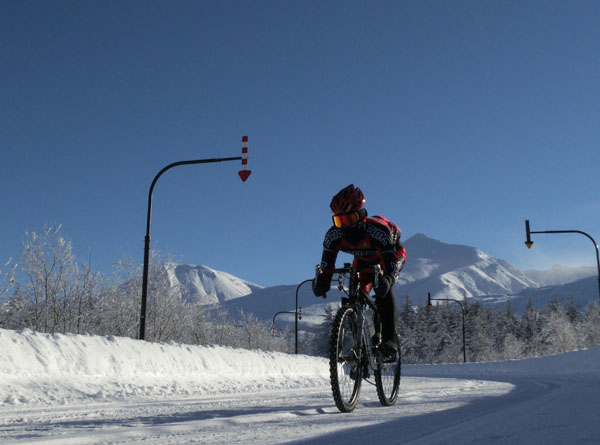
7, 282
530, 329
589, 328
405, 325
320, 339
166, 317
50, 287
119, 305
558, 333
572, 312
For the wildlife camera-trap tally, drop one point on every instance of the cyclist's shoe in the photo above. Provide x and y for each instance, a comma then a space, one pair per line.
388, 351
365, 368
355, 371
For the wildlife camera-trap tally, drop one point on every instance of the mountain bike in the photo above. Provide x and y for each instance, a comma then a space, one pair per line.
354, 349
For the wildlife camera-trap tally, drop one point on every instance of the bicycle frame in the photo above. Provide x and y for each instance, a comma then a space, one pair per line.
359, 298
354, 351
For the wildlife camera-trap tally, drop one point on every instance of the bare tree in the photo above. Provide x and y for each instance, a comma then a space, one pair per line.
50, 272
120, 299
7, 282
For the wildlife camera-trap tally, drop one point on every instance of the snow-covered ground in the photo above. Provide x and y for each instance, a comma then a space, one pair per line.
69, 389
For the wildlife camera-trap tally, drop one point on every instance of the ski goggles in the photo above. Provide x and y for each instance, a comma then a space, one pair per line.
346, 219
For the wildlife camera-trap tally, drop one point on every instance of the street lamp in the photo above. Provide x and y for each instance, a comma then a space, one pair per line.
243, 173
279, 313
529, 243
429, 300
296, 324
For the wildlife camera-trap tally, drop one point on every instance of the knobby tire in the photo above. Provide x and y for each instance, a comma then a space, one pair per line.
387, 379
345, 368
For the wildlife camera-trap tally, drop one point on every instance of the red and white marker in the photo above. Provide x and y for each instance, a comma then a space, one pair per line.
244, 172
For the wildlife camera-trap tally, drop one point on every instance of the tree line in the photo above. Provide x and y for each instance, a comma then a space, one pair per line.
47, 290
434, 334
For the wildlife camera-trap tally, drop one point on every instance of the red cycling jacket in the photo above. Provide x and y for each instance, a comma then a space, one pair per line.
376, 241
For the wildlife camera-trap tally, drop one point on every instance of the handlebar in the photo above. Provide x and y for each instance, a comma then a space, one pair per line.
349, 269
352, 273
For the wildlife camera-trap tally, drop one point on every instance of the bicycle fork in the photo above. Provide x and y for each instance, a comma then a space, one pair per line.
366, 350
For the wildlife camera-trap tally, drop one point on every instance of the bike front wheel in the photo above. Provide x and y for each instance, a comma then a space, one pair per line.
387, 378
345, 364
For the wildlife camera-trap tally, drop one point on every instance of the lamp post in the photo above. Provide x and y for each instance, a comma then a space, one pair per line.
279, 313
429, 300
296, 324
243, 173
529, 243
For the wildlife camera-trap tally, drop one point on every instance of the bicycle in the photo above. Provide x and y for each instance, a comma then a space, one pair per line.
354, 348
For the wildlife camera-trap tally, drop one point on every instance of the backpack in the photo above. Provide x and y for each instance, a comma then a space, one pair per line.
395, 232
392, 227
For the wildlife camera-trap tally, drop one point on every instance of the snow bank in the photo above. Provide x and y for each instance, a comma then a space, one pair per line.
46, 368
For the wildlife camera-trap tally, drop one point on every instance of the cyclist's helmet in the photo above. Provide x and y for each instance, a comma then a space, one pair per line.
349, 199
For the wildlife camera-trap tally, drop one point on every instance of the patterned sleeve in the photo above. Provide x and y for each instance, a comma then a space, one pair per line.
330, 248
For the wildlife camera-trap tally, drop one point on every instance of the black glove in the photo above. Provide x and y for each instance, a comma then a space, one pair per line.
384, 286
321, 285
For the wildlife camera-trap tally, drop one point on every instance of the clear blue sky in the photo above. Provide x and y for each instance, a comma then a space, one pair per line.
457, 119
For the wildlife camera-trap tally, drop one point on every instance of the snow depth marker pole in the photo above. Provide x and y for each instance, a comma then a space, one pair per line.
244, 173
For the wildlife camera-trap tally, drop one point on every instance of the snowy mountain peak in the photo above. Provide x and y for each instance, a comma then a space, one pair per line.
456, 271
205, 285
452, 255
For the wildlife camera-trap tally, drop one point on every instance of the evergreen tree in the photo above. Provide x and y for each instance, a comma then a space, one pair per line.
590, 326
530, 329
572, 312
405, 326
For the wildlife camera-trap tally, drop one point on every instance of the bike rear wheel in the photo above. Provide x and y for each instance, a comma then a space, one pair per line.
345, 366
387, 379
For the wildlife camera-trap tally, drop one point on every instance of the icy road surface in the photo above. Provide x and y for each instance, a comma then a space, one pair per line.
268, 417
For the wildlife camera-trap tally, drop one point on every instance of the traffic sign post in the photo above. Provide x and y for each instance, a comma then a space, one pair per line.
529, 243
243, 173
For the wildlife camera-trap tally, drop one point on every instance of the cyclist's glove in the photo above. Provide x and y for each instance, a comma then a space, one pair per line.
321, 285
384, 286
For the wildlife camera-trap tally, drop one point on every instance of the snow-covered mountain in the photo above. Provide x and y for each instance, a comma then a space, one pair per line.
559, 275
581, 291
445, 270
456, 271
265, 303
207, 286
442, 269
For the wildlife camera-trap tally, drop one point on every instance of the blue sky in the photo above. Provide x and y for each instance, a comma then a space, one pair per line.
457, 119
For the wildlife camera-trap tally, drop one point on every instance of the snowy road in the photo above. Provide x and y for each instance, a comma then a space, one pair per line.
272, 417
93, 390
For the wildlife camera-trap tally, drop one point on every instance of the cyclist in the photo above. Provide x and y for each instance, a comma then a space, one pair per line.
372, 240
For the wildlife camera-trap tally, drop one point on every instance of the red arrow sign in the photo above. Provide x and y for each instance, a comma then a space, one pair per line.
244, 174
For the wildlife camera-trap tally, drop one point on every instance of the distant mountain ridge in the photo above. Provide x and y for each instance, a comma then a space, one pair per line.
442, 269
559, 275
582, 292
